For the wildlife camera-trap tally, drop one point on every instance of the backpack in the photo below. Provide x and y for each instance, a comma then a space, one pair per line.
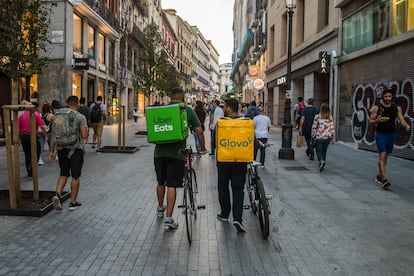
96, 113
300, 107
65, 128
253, 112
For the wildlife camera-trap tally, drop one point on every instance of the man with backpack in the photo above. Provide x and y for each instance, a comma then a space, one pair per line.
252, 110
97, 119
69, 129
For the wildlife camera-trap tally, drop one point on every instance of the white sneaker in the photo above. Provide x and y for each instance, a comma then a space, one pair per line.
41, 162
170, 224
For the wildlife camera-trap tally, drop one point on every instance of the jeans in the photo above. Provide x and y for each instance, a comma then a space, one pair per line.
197, 142
309, 150
262, 149
236, 174
213, 140
321, 148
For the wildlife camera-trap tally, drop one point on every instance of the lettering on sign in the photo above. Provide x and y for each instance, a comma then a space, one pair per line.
163, 124
234, 143
324, 62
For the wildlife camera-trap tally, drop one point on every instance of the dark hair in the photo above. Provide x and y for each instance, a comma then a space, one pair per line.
99, 98
233, 104
310, 101
253, 103
46, 108
72, 100
300, 99
82, 100
387, 91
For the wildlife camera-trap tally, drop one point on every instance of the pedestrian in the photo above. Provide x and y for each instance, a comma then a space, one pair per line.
201, 114
97, 119
169, 164
23, 123
47, 119
218, 112
70, 154
305, 126
384, 115
298, 110
234, 173
85, 111
261, 130
252, 110
323, 131
136, 114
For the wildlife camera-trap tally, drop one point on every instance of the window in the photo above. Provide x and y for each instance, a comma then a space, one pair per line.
272, 44
77, 34
403, 16
323, 14
91, 42
101, 48
366, 27
77, 85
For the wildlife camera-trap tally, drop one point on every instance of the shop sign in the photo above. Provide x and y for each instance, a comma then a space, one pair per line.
81, 63
324, 62
258, 84
281, 80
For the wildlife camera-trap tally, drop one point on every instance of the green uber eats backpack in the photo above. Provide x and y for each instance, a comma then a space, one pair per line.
65, 130
166, 123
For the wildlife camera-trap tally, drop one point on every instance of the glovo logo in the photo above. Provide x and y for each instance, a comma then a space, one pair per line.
236, 143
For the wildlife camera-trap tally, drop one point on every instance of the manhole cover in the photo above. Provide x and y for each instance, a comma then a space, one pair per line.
296, 168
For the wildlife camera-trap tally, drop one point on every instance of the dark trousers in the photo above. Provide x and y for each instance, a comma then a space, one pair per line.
213, 140
257, 147
236, 174
28, 152
309, 151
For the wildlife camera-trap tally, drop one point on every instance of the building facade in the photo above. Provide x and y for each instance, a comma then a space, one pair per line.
214, 72
377, 42
226, 84
200, 80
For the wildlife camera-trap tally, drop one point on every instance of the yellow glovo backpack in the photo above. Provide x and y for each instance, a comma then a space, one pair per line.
235, 139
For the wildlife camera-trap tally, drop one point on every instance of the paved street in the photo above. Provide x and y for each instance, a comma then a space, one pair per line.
339, 222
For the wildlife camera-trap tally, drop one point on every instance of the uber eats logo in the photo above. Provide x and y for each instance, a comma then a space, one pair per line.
163, 124
233, 143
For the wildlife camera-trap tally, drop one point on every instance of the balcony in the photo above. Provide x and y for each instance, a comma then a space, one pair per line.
138, 35
142, 6
106, 14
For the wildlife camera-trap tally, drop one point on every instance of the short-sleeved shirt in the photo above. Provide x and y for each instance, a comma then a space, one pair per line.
171, 149
101, 106
23, 122
261, 126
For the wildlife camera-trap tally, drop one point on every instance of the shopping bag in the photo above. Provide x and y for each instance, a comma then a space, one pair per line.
300, 141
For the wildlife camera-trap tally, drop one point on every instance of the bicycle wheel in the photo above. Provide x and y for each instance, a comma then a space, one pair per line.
263, 209
250, 192
188, 203
194, 189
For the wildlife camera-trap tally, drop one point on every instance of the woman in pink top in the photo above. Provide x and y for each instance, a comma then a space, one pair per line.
323, 132
23, 123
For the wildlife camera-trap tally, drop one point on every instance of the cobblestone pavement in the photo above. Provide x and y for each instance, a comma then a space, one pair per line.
338, 222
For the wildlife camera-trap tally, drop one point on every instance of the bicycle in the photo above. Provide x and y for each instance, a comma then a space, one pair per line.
259, 200
190, 187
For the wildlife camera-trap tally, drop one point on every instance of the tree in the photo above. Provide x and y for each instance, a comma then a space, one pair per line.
24, 29
154, 73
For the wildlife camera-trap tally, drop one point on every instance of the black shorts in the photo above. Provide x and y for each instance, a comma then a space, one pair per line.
169, 171
73, 166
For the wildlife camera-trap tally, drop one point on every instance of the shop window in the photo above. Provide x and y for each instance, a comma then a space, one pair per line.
101, 90
77, 35
403, 16
77, 85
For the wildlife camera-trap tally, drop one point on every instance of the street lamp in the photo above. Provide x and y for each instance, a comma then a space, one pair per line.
286, 152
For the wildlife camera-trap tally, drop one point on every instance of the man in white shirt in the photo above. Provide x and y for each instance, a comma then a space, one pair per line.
261, 129
218, 112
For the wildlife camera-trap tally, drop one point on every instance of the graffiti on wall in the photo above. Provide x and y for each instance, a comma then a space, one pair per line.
367, 96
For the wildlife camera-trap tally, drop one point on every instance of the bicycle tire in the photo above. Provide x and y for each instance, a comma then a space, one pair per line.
188, 203
250, 192
194, 189
263, 209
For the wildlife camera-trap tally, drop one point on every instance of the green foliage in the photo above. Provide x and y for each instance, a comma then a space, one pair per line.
24, 28
154, 73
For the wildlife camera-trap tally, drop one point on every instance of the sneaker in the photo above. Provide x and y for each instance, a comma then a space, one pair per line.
261, 165
379, 179
41, 162
211, 153
312, 157
93, 146
56, 202
160, 211
74, 206
386, 184
321, 166
239, 226
222, 218
170, 224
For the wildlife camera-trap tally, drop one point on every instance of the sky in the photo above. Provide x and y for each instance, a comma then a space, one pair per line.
214, 18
